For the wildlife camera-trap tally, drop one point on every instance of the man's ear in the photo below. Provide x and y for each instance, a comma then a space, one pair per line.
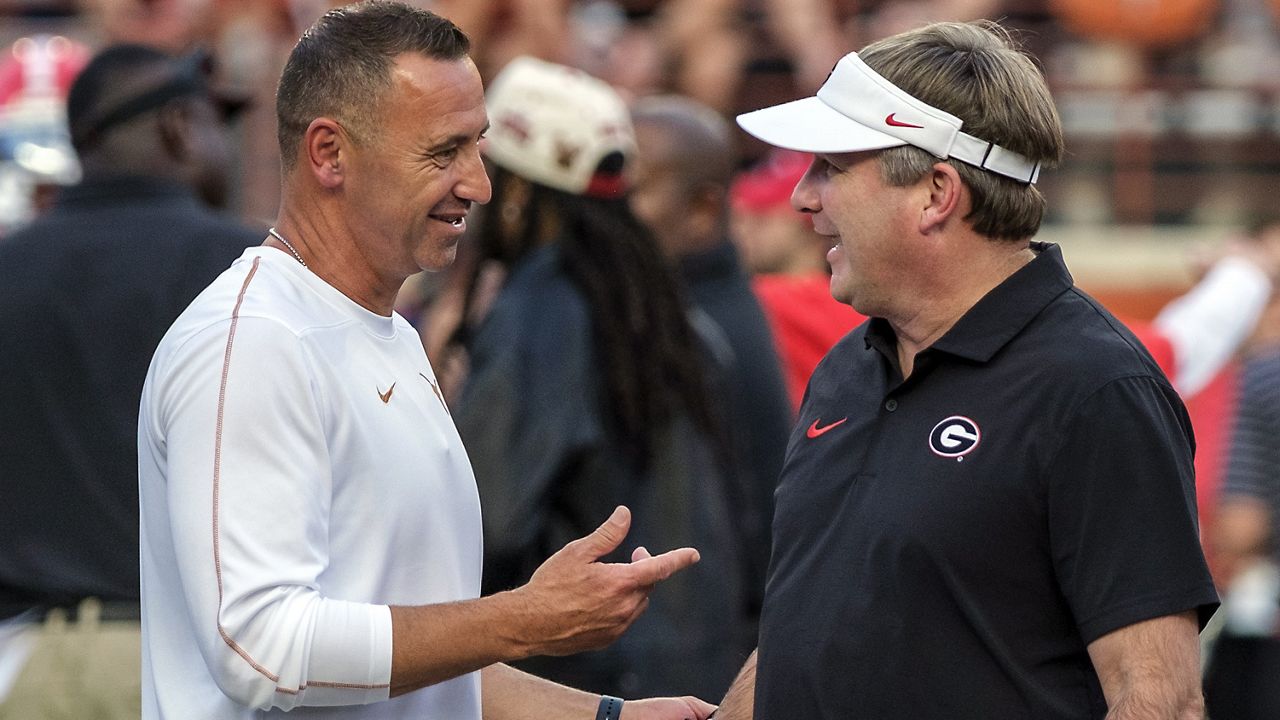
707, 207
947, 197
173, 124
327, 148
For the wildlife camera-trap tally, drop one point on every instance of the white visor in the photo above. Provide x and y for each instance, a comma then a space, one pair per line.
856, 109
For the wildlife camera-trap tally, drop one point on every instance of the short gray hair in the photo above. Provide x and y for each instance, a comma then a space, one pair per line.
976, 72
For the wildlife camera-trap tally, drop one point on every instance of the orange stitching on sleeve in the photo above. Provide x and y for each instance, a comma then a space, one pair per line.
217, 476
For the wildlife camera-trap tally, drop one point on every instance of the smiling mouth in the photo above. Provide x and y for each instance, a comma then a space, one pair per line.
458, 221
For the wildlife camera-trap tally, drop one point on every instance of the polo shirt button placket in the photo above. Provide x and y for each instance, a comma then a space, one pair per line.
891, 404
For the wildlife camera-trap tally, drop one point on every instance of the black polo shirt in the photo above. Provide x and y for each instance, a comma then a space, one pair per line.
89, 289
948, 546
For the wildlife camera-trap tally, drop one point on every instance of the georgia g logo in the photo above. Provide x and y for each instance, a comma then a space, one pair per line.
954, 437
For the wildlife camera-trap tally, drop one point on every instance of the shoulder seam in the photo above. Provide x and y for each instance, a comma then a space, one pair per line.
1071, 415
1112, 322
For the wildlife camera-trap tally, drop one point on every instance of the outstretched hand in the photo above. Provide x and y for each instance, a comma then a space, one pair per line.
578, 603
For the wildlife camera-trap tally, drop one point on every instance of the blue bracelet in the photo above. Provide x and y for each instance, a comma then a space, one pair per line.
610, 708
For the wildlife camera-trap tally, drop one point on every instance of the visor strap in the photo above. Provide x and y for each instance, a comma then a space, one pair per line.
993, 158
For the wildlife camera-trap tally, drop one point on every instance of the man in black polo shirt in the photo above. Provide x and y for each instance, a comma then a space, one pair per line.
89, 289
987, 507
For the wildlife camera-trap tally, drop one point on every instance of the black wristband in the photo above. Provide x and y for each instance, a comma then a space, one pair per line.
610, 708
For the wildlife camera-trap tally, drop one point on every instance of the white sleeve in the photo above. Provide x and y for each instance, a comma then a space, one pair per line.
249, 490
1207, 325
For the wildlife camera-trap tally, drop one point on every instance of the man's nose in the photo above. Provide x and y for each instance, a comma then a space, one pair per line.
804, 198
474, 184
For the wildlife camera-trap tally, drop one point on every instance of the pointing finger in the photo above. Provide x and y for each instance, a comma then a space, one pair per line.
650, 570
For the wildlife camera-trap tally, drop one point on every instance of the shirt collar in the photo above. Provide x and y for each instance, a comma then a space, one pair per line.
999, 316
116, 189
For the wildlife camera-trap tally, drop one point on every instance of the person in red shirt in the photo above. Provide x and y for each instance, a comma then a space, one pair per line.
1195, 339
789, 261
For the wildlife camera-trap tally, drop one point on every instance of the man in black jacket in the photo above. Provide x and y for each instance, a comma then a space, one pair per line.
89, 290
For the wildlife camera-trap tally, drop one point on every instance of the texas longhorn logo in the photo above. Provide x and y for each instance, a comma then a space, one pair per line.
954, 437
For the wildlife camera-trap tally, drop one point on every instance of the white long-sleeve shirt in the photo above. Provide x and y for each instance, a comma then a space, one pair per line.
1208, 324
298, 473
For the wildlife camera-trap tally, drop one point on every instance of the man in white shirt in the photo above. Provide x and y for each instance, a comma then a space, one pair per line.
310, 530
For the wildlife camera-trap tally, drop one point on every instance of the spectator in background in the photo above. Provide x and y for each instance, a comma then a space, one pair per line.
1248, 506
1196, 337
680, 186
588, 387
89, 290
1207, 326
1244, 659
789, 260
36, 157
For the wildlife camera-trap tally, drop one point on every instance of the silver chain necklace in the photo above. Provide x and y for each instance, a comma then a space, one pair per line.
280, 237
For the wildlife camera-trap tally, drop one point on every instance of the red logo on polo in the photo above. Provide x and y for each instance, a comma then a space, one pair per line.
815, 431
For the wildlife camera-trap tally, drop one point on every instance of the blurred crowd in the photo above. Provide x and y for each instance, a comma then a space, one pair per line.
1157, 97
1172, 111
